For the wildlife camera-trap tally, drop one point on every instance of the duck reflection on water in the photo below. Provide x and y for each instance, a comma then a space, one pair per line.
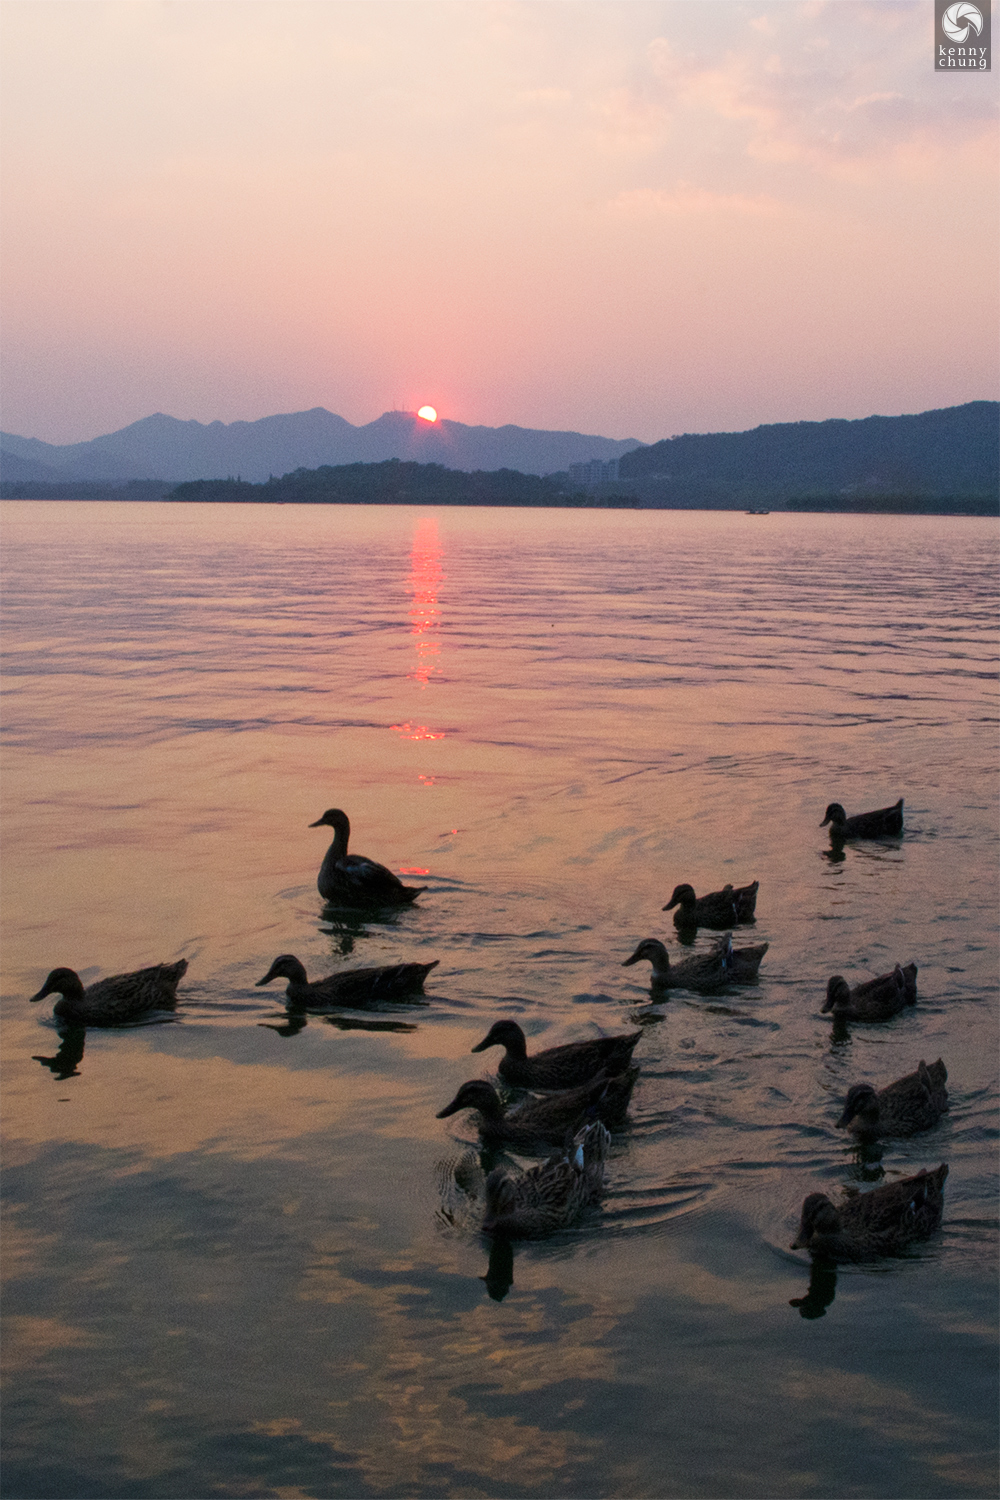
296, 1021
822, 1290
70, 1054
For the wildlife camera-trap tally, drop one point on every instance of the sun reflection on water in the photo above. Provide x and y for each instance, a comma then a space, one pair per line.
426, 573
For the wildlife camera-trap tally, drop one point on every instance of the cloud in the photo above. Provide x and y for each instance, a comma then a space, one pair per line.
842, 89
687, 199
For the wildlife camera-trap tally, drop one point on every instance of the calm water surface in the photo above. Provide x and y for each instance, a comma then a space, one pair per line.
239, 1261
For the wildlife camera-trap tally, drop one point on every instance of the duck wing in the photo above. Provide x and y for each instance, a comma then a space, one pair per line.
120, 997
571, 1065
361, 986
355, 880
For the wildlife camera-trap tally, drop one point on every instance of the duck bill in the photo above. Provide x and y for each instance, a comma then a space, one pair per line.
449, 1109
41, 995
489, 1040
669, 905
635, 957
319, 823
800, 1242
267, 978
846, 1118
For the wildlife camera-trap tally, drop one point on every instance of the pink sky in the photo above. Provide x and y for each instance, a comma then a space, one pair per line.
633, 219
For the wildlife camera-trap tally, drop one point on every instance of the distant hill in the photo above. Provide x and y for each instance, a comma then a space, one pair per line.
396, 482
162, 447
896, 463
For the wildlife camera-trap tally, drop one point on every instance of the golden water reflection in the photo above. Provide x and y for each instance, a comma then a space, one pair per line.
426, 573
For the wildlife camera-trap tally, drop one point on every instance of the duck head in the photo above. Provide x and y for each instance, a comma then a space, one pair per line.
333, 818
861, 1100
655, 951
478, 1094
65, 982
819, 1220
835, 816
838, 995
683, 896
504, 1034
287, 966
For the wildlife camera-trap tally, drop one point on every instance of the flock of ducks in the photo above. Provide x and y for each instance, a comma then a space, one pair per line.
579, 1092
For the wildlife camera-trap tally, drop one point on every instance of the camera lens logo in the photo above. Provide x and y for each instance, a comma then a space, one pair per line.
961, 18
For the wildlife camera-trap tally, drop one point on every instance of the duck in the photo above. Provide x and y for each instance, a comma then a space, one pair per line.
551, 1196
913, 1103
742, 964
702, 971
726, 908
116, 1000
543, 1121
884, 821
876, 999
351, 987
881, 1222
564, 1067
351, 879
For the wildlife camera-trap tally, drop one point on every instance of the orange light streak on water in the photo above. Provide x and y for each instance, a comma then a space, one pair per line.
426, 574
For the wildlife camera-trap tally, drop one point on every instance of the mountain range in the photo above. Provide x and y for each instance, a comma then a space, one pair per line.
946, 460
951, 453
165, 448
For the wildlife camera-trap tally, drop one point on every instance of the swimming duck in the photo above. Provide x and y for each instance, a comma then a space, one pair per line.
351, 879
702, 971
725, 908
913, 1103
742, 964
543, 1121
563, 1067
548, 1197
116, 1000
884, 821
351, 987
876, 999
881, 1222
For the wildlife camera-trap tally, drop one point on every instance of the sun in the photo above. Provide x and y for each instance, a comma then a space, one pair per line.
428, 413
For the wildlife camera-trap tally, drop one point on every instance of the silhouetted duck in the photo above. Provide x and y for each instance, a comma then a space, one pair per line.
351, 879
726, 908
876, 999
548, 1197
742, 964
702, 971
543, 1121
881, 1222
882, 823
116, 1000
350, 987
913, 1103
564, 1067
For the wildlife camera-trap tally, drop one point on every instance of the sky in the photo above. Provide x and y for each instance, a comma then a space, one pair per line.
633, 218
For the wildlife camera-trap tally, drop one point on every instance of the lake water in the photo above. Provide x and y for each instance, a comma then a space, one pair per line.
238, 1259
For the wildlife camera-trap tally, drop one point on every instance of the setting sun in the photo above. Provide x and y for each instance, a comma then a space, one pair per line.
428, 413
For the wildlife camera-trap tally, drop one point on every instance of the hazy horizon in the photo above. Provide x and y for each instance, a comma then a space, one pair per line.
627, 220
